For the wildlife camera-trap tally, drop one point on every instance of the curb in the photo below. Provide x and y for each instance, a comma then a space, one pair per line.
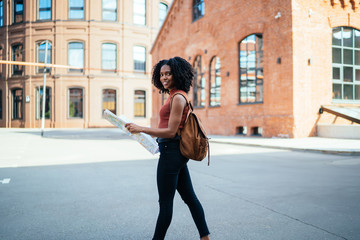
324, 151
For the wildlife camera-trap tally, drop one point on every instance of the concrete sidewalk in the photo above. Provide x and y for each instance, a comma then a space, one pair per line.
311, 144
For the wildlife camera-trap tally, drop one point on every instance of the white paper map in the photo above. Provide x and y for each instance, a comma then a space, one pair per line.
144, 139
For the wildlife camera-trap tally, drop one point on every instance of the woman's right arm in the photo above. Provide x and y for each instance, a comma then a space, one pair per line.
176, 112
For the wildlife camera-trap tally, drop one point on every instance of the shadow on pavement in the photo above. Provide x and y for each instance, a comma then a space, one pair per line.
82, 134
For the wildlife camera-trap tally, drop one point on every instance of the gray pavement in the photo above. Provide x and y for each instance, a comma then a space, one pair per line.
99, 184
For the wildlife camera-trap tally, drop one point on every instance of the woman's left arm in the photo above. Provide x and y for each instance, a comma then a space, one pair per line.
176, 112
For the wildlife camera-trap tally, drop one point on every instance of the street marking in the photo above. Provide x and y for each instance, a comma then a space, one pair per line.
5, 181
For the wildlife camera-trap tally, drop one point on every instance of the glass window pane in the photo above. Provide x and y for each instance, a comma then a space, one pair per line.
357, 92
17, 55
357, 57
162, 12
109, 10
139, 13
348, 56
1, 13
336, 52
357, 38
18, 11
109, 56
348, 37
348, 92
39, 103
336, 37
76, 54
336, 73
41, 55
140, 103
357, 74
75, 103
348, 74
337, 92
139, 55
109, 100
17, 104
44, 11
76, 9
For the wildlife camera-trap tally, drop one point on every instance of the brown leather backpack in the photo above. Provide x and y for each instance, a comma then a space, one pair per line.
194, 144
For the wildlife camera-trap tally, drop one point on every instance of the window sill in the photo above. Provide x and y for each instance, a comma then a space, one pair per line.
199, 107
215, 106
252, 103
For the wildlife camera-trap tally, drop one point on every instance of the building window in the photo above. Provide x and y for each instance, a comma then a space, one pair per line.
139, 12
17, 104
18, 11
108, 58
39, 102
109, 10
109, 100
140, 103
44, 10
346, 64
76, 105
139, 54
17, 55
1, 13
199, 84
215, 82
251, 69
40, 57
198, 8
0, 104
76, 9
76, 56
162, 13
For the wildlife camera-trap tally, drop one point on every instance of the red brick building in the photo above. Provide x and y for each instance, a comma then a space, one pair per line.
265, 67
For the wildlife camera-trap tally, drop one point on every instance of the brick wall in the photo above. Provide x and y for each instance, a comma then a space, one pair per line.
297, 60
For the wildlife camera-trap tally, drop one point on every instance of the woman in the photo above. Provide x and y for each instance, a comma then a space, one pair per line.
173, 76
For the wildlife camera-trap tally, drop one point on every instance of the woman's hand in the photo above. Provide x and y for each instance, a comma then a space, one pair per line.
133, 128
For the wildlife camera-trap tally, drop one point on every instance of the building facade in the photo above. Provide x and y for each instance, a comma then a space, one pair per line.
265, 68
107, 42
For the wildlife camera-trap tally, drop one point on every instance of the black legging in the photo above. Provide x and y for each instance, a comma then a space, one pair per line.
172, 175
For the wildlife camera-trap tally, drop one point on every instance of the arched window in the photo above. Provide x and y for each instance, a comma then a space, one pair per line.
139, 103
109, 100
109, 56
17, 103
251, 69
162, 12
198, 8
76, 55
346, 64
215, 82
76, 103
40, 54
199, 84
17, 55
39, 102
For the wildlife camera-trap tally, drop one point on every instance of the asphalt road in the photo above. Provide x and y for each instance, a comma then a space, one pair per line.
99, 184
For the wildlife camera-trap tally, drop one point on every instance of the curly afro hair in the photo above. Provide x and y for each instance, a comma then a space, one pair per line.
182, 74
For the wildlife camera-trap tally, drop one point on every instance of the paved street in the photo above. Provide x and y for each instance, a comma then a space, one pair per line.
99, 184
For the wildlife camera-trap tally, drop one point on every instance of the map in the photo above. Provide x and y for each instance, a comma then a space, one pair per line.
145, 140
